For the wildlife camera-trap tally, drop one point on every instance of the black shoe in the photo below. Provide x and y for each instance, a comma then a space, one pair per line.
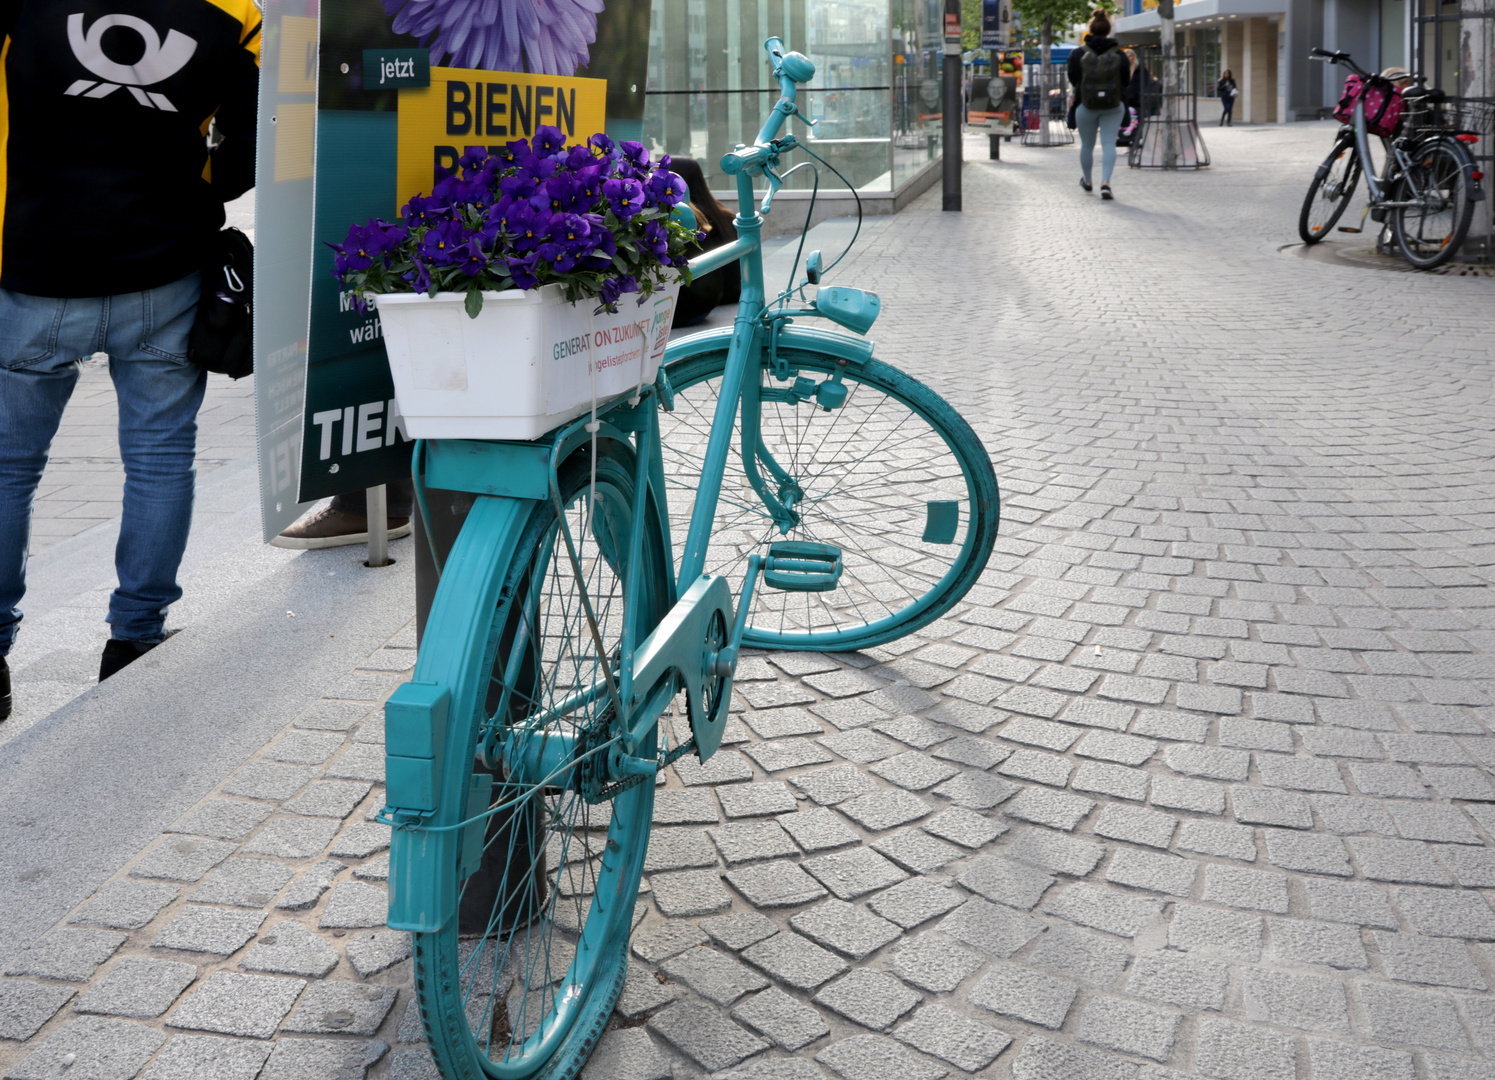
121, 654
5, 700
1085, 184
1105, 191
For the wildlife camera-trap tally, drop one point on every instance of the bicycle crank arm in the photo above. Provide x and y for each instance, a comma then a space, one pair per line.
679, 651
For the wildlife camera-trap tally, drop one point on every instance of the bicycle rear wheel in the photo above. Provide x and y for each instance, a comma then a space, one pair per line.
1430, 233
892, 477
520, 984
1330, 193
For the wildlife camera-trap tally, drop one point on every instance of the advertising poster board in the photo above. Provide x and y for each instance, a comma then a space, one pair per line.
996, 23
379, 99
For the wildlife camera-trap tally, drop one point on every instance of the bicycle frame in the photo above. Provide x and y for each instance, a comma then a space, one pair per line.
650, 672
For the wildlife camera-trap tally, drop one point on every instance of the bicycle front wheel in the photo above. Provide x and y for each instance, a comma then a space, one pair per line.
1331, 191
1437, 183
891, 477
520, 983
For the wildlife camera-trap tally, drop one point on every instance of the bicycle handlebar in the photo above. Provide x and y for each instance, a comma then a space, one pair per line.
1317, 53
790, 69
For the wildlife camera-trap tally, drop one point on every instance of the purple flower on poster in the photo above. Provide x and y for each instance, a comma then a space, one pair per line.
548, 37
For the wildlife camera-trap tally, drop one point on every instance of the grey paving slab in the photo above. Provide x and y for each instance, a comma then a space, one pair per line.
126, 905
290, 948
787, 1021
739, 930
67, 953
208, 1057
209, 930
307, 889
292, 838
1025, 994
233, 1004
25, 1006
706, 1036
374, 952
714, 976
341, 1007
95, 1047
268, 780
627, 1054
225, 819
795, 961
306, 1059
876, 1057
1129, 1027
244, 883
915, 901
138, 987
845, 928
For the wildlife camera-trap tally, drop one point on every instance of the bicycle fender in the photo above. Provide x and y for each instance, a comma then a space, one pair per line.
810, 339
674, 649
422, 897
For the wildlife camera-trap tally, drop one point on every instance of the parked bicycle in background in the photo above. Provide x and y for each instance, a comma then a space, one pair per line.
1427, 186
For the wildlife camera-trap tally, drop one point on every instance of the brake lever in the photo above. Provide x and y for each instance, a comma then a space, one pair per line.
775, 182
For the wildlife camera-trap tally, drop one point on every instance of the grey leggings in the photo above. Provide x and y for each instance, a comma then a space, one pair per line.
1108, 122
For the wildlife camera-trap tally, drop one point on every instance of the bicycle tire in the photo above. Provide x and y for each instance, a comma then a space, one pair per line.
1443, 165
1331, 191
508, 601
871, 605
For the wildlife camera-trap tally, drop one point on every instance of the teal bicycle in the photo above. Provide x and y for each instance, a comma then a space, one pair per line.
775, 487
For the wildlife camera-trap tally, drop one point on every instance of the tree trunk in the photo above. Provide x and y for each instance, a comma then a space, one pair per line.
1046, 42
1171, 150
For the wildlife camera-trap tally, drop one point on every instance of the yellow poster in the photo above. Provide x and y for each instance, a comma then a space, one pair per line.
464, 107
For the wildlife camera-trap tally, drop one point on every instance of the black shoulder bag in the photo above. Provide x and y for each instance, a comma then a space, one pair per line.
222, 335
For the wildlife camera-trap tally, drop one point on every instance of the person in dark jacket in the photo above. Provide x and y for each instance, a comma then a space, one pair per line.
111, 199
1092, 117
720, 286
1143, 93
1226, 89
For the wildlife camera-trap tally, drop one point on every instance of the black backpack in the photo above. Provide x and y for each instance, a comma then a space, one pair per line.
222, 336
1102, 80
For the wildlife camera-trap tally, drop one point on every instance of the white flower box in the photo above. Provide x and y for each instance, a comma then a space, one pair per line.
523, 366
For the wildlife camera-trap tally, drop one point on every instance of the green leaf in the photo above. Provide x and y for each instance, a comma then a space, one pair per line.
474, 303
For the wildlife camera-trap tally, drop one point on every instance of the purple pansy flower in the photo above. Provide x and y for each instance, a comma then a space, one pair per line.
522, 270
549, 141
442, 244
666, 189
624, 196
656, 238
472, 258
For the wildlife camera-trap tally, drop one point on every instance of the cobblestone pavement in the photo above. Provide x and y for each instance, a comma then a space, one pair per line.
1194, 784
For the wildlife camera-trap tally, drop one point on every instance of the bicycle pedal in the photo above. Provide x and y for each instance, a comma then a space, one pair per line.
1350, 229
802, 566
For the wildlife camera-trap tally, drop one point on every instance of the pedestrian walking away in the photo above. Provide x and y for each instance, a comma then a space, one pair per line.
1227, 91
112, 200
1099, 73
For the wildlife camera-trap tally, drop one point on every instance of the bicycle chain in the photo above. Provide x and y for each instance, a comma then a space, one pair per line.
614, 790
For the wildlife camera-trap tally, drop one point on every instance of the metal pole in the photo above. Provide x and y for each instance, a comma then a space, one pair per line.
378, 515
953, 107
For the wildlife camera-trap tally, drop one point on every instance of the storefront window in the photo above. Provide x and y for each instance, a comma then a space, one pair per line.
710, 85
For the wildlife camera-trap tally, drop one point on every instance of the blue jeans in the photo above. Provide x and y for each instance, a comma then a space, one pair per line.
1108, 123
42, 344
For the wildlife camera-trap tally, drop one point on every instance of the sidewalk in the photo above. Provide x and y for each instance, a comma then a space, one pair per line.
1195, 784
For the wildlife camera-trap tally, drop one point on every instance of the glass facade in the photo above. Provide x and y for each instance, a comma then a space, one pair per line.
875, 95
